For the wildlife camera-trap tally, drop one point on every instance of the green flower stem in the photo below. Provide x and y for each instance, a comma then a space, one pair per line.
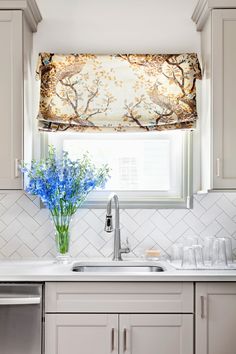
63, 240
62, 225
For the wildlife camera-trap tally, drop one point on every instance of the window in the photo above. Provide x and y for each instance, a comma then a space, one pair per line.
147, 169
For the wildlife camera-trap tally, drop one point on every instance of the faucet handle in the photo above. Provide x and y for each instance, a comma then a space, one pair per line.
127, 243
126, 249
108, 224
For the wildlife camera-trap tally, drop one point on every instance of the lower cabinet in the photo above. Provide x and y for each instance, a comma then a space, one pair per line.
81, 334
140, 318
215, 318
152, 334
124, 333
119, 318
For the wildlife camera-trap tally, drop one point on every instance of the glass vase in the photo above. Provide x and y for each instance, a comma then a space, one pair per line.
62, 236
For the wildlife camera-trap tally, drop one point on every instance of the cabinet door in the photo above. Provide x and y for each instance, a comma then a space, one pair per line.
224, 98
11, 98
152, 334
216, 318
81, 334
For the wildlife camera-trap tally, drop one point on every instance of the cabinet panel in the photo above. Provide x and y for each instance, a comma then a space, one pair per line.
156, 297
152, 334
224, 98
11, 98
215, 318
81, 334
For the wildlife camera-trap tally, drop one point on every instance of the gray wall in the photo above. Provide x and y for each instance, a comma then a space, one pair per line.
110, 26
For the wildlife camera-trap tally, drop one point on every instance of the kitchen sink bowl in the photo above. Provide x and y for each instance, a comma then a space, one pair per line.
117, 267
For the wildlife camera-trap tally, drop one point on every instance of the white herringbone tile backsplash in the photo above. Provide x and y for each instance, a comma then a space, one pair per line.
26, 230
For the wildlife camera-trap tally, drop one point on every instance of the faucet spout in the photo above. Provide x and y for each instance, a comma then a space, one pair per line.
118, 250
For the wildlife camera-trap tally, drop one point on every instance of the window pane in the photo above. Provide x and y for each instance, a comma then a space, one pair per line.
135, 164
146, 168
138, 161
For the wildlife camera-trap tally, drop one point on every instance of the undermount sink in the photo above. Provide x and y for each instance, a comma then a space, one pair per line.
117, 267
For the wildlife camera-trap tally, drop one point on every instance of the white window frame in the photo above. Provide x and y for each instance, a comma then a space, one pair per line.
146, 199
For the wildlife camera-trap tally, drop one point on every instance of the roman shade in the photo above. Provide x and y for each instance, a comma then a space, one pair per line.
87, 92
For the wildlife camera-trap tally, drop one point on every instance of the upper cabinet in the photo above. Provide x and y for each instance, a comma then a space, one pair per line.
11, 96
18, 19
224, 98
217, 22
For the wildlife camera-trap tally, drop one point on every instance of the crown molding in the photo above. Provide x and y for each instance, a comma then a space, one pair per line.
29, 7
204, 7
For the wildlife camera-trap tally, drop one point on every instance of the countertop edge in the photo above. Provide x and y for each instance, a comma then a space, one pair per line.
49, 271
117, 278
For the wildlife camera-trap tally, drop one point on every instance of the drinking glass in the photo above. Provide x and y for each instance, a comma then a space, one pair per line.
219, 258
198, 250
208, 249
177, 253
229, 251
189, 258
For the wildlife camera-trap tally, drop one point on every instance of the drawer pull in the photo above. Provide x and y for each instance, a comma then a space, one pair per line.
125, 340
202, 306
217, 167
112, 339
17, 168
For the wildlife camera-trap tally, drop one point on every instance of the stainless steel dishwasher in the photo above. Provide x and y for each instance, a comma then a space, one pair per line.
20, 318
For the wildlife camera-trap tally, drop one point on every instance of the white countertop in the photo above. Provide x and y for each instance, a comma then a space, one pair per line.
43, 271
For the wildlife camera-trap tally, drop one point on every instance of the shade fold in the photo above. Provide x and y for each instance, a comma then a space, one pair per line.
123, 93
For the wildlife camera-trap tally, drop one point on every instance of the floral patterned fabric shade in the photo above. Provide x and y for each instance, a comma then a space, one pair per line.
84, 92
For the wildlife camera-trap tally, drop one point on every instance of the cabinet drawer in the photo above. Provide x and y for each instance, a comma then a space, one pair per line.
119, 297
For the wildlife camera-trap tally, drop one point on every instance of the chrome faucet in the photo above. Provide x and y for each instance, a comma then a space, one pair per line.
118, 250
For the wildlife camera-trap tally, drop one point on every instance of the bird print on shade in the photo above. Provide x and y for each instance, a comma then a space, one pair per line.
87, 92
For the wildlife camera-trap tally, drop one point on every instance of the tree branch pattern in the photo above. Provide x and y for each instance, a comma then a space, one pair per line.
85, 92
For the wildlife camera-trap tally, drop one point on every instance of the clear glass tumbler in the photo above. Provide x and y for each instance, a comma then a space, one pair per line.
176, 255
208, 250
229, 250
198, 249
219, 258
189, 258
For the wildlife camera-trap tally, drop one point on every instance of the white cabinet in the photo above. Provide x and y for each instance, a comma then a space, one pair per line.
123, 334
69, 329
11, 98
119, 297
152, 334
215, 318
224, 98
81, 334
119, 317
216, 19
18, 19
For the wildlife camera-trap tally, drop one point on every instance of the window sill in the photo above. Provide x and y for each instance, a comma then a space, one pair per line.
135, 202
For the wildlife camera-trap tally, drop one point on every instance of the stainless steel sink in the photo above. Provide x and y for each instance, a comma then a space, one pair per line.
117, 268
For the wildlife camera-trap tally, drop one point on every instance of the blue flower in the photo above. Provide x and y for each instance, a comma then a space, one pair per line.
63, 184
